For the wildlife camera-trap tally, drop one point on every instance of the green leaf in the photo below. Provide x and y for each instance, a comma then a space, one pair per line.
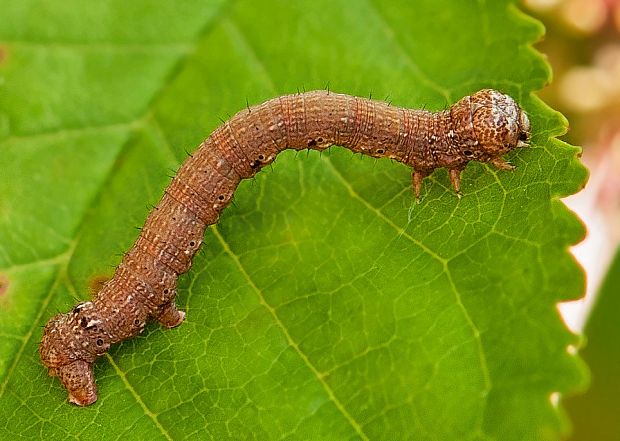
325, 304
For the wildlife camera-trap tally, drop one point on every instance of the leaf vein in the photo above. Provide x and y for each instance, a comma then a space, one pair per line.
319, 376
148, 412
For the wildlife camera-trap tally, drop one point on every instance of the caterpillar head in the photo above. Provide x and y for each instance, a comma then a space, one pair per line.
69, 346
499, 123
492, 124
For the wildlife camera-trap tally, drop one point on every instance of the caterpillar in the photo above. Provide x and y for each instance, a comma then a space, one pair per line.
481, 127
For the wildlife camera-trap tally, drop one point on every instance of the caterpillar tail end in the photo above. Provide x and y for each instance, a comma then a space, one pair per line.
67, 358
79, 380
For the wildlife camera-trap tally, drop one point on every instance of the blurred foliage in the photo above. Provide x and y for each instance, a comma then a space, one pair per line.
595, 414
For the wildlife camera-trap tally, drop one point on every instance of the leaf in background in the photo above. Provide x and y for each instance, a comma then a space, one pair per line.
326, 304
595, 414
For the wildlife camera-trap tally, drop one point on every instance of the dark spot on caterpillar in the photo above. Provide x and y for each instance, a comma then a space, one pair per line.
77, 308
487, 124
88, 323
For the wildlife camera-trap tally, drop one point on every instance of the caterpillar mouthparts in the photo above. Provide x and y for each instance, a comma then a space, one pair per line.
480, 127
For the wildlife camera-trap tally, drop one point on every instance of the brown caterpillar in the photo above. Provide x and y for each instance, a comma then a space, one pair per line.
480, 127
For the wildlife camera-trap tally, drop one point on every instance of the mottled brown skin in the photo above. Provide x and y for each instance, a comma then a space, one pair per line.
480, 127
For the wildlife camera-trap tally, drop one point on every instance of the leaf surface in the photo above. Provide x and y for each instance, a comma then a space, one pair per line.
326, 303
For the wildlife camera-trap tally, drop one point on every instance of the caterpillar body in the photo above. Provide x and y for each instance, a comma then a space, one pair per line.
481, 127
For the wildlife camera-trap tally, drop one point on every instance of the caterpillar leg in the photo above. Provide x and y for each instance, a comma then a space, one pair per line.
170, 316
417, 176
455, 179
502, 164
